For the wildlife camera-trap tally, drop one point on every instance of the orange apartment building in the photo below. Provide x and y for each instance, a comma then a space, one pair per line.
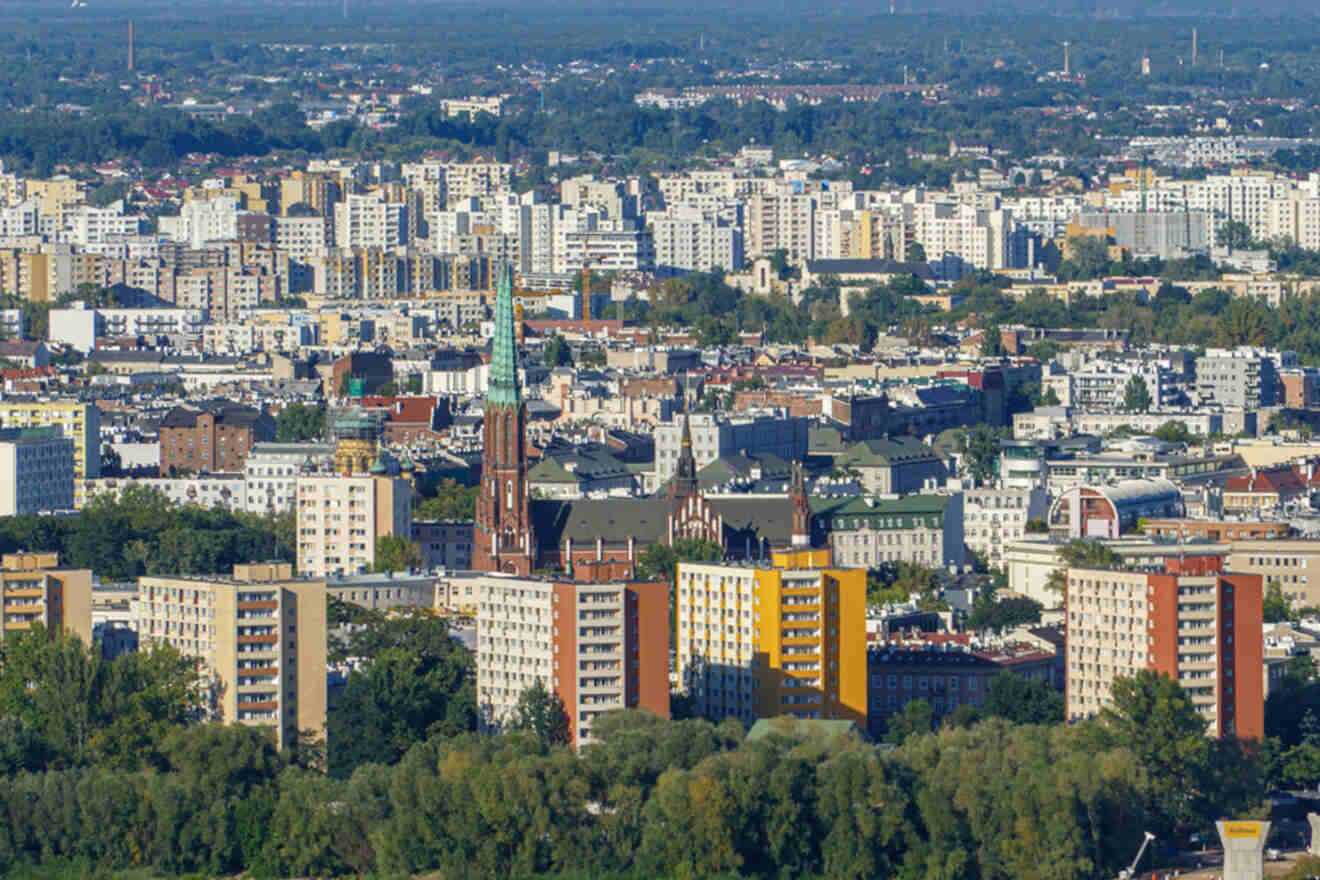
1193, 621
600, 647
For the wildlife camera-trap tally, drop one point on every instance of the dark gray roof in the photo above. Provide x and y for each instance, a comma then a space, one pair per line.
615, 520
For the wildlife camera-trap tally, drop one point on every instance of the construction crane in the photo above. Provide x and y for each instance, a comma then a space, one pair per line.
1131, 870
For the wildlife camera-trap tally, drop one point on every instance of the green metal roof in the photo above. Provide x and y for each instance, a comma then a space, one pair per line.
504, 390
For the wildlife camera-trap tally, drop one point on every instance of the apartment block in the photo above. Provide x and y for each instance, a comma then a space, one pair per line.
261, 637
924, 530
36, 471
34, 589
1242, 378
599, 647
340, 519
78, 421
1193, 622
1292, 564
211, 440
994, 518
784, 640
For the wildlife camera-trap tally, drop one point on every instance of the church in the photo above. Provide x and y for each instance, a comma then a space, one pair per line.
599, 540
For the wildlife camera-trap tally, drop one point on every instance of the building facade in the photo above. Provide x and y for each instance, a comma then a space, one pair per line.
36, 471
261, 637
1203, 630
757, 642
34, 590
80, 422
599, 647
211, 441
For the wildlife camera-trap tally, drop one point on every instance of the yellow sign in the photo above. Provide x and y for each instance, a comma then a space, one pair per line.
1242, 829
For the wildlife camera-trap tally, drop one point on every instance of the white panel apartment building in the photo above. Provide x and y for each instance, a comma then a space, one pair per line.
368, 220
515, 647
340, 518
687, 241
777, 220
716, 637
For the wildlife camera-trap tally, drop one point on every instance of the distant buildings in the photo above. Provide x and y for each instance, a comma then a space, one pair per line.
78, 421
211, 440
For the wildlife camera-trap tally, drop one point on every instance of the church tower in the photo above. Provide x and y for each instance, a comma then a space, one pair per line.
797, 495
503, 539
684, 485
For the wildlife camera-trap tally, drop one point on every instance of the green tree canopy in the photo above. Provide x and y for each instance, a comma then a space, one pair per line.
1136, 396
396, 553
299, 423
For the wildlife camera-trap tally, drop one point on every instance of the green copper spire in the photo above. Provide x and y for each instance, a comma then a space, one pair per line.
504, 389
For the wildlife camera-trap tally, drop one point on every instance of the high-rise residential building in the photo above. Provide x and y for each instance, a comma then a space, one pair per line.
687, 241
341, 515
995, 517
78, 421
756, 642
599, 647
1197, 624
371, 220
34, 589
260, 636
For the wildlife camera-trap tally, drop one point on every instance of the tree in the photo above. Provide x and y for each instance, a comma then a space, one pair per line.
299, 423
1036, 526
659, 562
395, 553
1276, 607
1089, 260
915, 253
1193, 779
1024, 700
1234, 235
1089, 553
980, 450
413, 681
556, 352
1136, 396
541, 712
916, 718
452, 503
1004, 614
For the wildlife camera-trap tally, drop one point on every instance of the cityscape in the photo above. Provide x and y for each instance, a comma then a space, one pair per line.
749, 442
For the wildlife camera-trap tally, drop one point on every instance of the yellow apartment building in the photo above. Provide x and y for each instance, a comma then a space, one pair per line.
787, 638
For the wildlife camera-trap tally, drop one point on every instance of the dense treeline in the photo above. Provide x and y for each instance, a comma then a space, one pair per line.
140, 532
111, 776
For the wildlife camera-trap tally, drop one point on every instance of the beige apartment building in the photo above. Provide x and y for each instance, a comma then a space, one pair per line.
80, 422
341, 517
35, 590
260, 636
1292, 564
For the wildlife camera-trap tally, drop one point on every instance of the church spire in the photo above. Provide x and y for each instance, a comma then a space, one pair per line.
504, 390
684, 483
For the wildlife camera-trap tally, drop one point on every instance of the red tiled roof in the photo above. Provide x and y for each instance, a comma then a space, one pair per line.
1281, 481
402, 410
